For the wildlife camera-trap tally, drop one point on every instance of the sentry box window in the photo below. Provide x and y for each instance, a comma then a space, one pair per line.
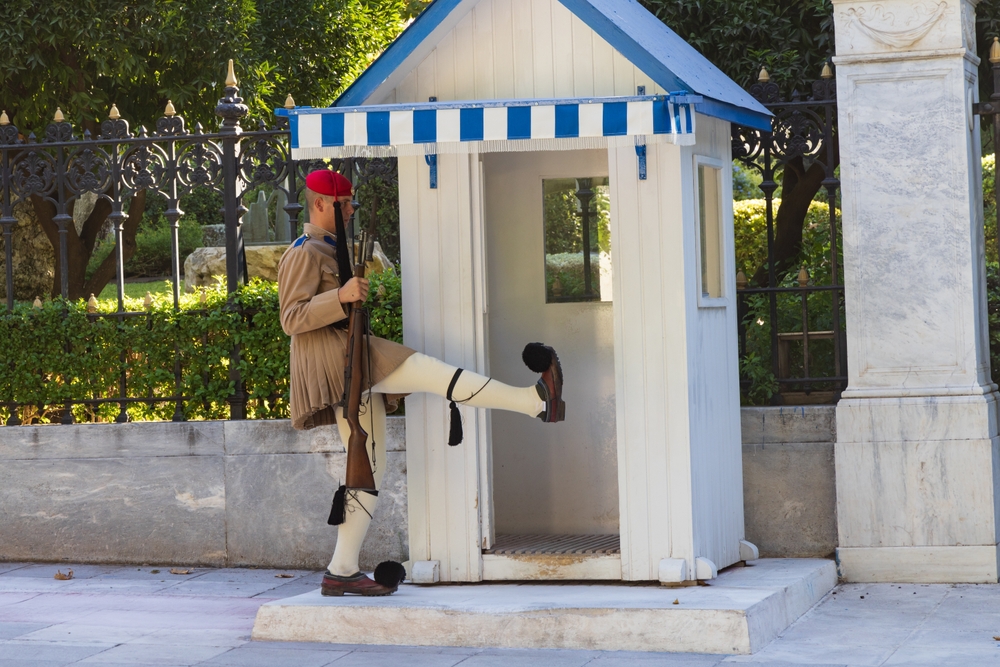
710, 230
577, 215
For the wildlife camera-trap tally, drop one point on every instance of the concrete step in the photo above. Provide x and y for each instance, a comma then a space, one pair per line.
741, 611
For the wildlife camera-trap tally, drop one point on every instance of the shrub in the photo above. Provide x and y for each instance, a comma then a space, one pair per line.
66, 354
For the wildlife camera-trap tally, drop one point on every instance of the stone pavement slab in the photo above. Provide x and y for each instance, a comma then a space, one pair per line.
45, 626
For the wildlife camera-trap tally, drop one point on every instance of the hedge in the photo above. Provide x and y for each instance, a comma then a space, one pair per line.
59, 352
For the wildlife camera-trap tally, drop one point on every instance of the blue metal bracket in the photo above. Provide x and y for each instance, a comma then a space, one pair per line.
432, 162
640, 90
640, 151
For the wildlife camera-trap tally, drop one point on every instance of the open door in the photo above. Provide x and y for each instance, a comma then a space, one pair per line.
555, 486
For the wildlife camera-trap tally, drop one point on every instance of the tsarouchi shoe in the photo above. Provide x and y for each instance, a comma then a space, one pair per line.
358, 584
543, 359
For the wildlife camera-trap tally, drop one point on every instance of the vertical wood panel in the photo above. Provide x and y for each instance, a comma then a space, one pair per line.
521, 49
485, 83
603, 67
562, 47
465, 62
624, 73
583, 59
446, 65
503, 49
524, 70
541, 26
413, 329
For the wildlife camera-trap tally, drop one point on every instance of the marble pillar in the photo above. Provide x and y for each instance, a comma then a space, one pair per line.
917, 438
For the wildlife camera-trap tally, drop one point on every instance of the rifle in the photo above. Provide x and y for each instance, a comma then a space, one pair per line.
359, 475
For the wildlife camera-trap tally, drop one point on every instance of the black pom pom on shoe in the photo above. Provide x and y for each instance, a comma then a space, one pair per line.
390, 574
537, 357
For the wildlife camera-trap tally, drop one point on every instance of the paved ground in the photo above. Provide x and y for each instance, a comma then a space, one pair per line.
146, 616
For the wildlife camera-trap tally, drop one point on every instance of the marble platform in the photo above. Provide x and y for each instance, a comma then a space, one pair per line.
741, 611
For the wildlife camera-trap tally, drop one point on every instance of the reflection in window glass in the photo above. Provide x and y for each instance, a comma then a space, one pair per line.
577, 214
710, 224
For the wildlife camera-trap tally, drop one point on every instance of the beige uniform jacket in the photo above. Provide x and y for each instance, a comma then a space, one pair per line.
308, 292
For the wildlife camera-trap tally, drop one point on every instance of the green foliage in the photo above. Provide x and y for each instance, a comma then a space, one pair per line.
385, 306
990, 207
792, 38
84, 56
63, 353
746, 182
153, 251
750, 222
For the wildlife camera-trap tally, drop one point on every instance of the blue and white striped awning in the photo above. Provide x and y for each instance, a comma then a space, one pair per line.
490, 126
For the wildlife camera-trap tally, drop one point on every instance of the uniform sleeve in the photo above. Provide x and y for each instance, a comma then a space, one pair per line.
302, 309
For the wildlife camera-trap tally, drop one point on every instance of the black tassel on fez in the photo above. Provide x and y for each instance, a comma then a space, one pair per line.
337, 511
455, 434
390, 574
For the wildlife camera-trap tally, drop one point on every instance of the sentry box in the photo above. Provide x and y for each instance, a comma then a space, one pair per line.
564, 177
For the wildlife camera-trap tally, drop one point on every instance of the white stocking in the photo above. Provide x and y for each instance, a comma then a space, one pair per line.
359, 507
420, 373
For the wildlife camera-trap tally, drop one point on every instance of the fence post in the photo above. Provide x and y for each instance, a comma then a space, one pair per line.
231, 109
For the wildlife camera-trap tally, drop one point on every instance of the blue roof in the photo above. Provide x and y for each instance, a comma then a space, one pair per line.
629, 27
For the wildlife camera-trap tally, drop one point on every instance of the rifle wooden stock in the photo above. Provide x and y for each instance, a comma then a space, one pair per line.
359, 468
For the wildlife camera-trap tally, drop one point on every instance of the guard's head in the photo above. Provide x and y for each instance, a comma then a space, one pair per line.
325, 190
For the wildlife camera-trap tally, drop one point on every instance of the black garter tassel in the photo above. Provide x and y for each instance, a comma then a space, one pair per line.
337, 511
455, 434
390, 574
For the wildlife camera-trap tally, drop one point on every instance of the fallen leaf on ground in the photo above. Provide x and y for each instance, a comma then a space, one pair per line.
677, 601
284, 576
154, 571
997, 638
63, 577
177, 570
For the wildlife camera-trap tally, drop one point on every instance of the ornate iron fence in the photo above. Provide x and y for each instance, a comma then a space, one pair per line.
791, 314
170, 161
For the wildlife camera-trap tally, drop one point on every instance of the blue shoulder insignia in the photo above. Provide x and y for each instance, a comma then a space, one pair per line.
299, 241
330, 241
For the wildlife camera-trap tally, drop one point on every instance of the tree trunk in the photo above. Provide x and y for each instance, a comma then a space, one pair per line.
798, 189
80, 246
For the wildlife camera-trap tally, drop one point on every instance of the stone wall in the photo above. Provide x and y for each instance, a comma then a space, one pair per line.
789, 482
198, 493
258, 493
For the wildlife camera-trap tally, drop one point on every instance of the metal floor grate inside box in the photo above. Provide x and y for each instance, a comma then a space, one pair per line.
510, 545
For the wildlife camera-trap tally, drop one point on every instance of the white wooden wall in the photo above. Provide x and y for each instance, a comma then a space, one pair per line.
679, 466
443, 317
557, 55
713, 378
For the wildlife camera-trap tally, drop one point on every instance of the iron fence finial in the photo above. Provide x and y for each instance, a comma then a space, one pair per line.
763, 77
114, 114
231, 75
803, 277
147, 303
4, 120
741, 280
58, 117
92, 303
995, 51
169, 110
827, 71
37, 304
289, 102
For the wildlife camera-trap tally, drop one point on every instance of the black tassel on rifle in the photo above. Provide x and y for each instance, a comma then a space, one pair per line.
455, 434
337, 511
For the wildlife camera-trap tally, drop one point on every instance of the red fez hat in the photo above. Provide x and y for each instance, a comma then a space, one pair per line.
329, 183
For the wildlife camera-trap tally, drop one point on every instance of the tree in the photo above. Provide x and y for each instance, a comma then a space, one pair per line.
85, 56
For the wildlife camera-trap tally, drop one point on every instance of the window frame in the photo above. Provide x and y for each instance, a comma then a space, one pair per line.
705, 301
